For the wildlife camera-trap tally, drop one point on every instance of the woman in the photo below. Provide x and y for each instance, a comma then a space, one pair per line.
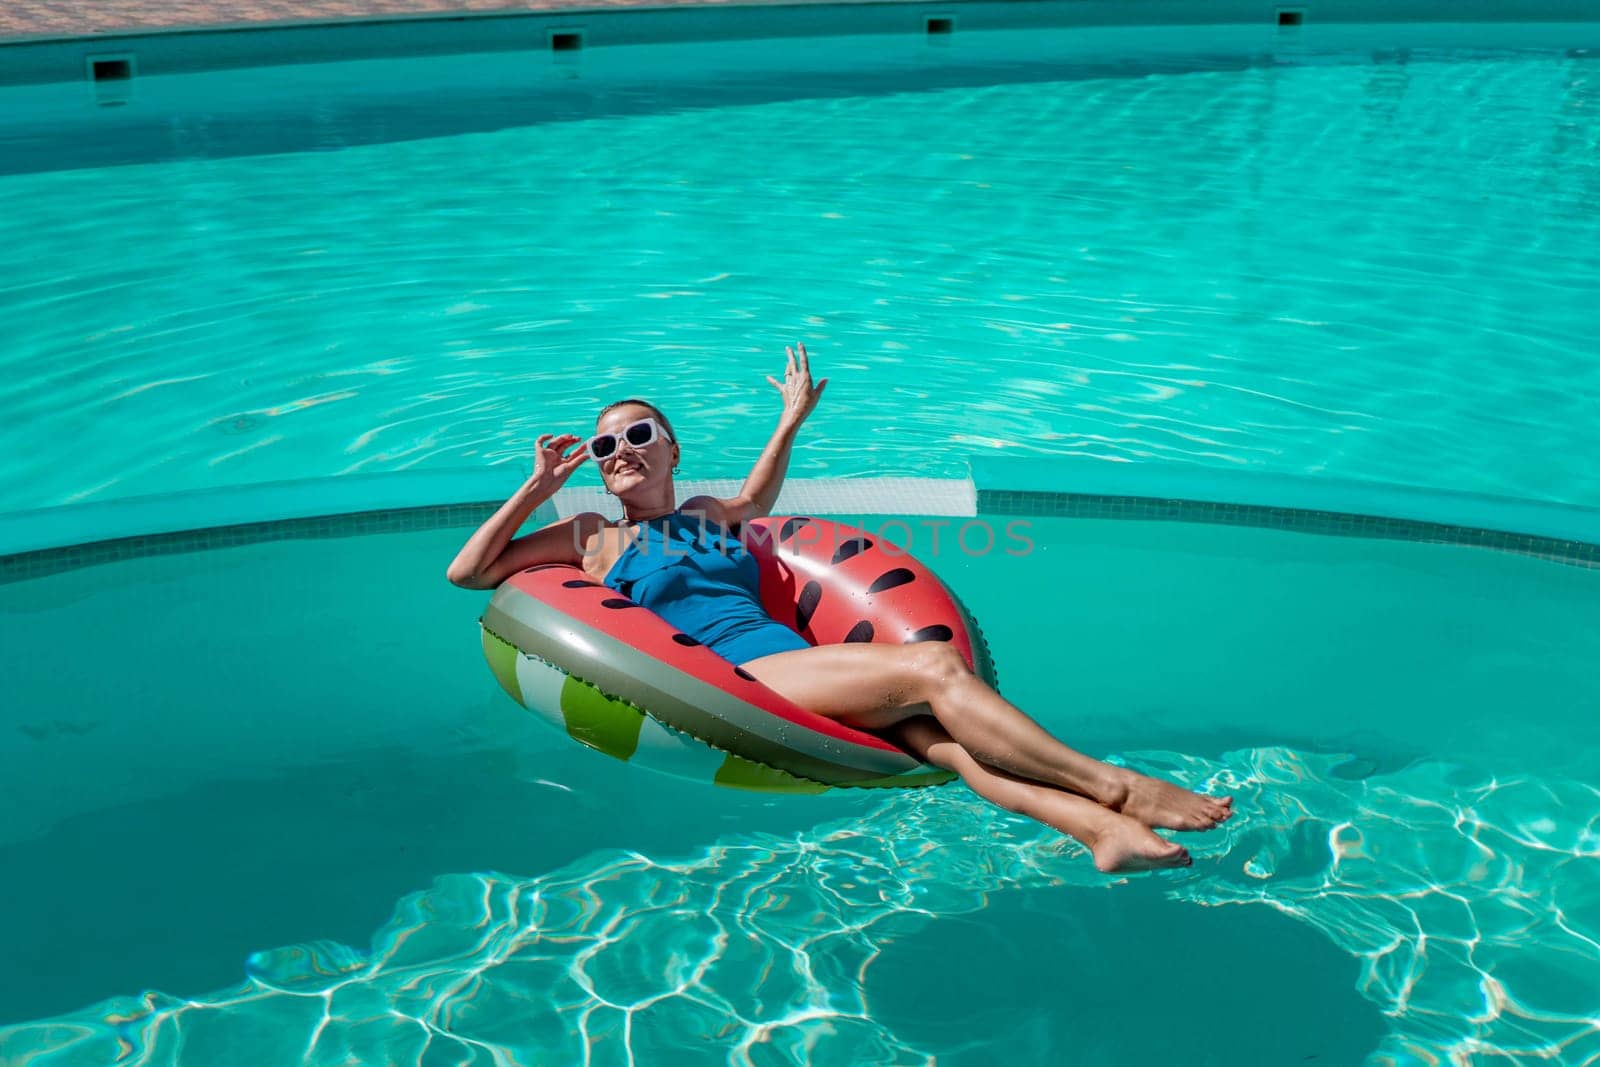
921, 695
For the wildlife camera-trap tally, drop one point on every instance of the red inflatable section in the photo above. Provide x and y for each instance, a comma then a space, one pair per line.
835, 584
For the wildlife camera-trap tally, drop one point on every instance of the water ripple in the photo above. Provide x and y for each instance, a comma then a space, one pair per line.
1380, 271
1432, 878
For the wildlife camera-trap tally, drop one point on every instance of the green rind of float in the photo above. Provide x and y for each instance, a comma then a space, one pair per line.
502, 658
737, 772
911, 780
599, 721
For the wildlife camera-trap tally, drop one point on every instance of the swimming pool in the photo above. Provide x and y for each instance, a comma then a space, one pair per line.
1279, 282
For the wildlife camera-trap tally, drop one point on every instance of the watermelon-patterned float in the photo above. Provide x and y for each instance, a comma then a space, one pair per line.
620, 679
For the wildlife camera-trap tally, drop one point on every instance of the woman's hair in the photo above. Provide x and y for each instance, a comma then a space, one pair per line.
662, 419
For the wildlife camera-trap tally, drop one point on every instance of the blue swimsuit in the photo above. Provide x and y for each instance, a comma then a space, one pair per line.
700, 579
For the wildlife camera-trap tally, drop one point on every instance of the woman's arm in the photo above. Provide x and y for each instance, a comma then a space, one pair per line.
760, 491
490, 556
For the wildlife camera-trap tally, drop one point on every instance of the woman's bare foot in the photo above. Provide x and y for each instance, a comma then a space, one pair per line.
1156, 803
1122, 844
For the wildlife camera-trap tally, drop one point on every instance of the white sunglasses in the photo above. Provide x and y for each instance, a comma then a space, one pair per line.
638, 434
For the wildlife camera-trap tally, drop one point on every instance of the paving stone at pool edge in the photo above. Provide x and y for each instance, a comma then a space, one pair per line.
37, 18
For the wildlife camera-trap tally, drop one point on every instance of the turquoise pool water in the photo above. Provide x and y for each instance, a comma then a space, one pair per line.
329, 842
1376, 267
251, 830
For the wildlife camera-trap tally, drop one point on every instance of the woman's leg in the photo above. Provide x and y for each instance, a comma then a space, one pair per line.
875, 686
1118, 842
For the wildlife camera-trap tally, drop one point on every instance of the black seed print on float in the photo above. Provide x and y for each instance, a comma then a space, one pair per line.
859, 634
852, 547
685, 640
617, 602
890, 579
577, 583
790, 526
806, 606
937, 632
746, 675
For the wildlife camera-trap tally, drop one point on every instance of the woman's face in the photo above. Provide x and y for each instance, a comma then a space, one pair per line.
632, 466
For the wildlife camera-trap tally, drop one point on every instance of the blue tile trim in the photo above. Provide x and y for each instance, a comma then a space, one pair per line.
23, 566
1296, 520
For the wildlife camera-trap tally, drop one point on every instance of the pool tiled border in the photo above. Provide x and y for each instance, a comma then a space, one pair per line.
1296, 520
23, 566
48, 547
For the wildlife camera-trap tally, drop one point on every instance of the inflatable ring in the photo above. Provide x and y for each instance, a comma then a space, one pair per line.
622, 680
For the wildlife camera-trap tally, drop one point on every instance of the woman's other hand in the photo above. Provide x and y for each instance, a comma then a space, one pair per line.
800, 396
553, 463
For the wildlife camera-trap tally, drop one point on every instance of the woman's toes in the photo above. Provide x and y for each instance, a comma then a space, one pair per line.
1126, 845
1175, 855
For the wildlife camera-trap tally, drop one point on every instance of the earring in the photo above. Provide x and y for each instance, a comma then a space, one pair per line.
676, 469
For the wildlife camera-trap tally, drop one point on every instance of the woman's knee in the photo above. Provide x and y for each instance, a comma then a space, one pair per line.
938, 666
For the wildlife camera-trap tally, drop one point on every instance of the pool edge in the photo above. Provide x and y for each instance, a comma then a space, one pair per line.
47, 541
1088, 488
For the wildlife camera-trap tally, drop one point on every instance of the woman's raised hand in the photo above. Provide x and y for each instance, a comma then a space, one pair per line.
553, 462
799, 395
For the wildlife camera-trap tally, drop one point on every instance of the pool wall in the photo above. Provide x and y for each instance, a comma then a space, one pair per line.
138, 98
49, 540
1090, 489
115, 99
1270, 25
